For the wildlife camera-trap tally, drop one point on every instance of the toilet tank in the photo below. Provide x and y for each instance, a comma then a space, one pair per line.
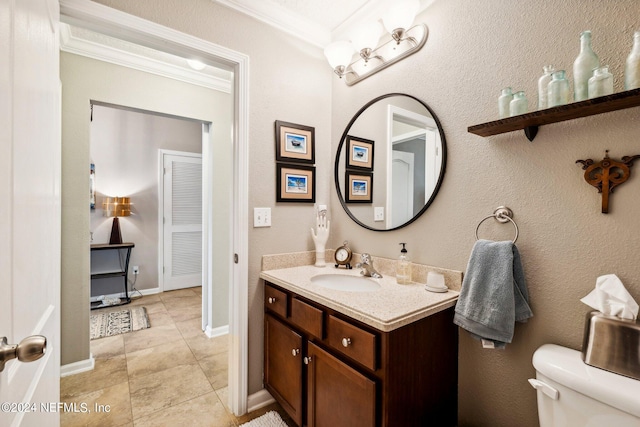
572, 393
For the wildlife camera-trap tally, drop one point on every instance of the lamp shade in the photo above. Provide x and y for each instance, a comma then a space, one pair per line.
366, 36
400, 14
339, 53
116, 206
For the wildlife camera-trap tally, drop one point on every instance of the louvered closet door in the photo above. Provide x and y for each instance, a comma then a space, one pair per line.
182, 221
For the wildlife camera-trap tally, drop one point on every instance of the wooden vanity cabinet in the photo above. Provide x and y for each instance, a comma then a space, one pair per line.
348, 374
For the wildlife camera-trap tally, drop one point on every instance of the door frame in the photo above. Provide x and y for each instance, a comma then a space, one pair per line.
205, 253
112, 22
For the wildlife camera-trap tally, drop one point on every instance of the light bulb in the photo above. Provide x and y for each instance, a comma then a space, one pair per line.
400, 14
339, 53
366, 36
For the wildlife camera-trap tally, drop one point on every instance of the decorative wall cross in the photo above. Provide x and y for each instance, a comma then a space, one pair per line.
607, 174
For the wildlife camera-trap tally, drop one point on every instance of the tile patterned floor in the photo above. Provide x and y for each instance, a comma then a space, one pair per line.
170, 374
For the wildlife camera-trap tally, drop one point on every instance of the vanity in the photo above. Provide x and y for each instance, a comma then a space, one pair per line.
380, 358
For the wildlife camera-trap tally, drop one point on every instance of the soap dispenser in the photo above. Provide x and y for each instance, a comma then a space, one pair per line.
403, 269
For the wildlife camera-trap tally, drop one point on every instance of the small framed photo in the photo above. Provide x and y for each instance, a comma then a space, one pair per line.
295, 183
295, 143
359, 153
359, 187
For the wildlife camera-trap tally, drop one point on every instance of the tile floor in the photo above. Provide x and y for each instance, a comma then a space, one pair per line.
169, 374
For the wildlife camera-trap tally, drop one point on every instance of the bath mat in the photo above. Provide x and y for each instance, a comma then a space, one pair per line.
119, 322
270, 419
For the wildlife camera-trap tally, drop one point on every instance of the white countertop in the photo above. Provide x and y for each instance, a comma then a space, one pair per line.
385, 309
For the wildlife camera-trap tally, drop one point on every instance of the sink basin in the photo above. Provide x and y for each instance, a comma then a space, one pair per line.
343, 282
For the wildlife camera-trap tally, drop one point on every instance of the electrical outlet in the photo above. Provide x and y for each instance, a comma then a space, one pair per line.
135, 270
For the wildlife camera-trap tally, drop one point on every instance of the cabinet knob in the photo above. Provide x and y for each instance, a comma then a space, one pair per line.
307, 360
295, 351
271, 300
346, 342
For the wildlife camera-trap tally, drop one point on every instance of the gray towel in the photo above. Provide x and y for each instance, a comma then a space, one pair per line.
494, 293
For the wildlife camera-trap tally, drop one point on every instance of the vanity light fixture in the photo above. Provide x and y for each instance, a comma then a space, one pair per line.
376, 53
196, 64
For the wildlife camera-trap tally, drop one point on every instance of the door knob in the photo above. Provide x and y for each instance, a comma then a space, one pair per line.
30, 349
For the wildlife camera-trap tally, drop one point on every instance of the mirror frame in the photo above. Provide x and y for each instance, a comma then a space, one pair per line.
341, 145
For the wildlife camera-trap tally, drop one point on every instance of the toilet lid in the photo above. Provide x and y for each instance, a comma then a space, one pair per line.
565, 366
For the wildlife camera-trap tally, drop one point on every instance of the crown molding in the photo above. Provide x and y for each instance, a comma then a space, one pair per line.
78, 46
282, 19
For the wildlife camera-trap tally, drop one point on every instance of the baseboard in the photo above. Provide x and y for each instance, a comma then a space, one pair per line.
78, 367
131, 294
259, 400
217, 332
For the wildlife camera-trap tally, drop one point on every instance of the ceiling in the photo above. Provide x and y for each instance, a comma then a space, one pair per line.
318, 22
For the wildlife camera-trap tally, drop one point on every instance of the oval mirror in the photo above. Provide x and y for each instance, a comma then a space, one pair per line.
390, 162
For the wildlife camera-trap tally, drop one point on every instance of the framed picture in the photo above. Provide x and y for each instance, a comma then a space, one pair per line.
359, 153
295, 183
295, 143
359, 187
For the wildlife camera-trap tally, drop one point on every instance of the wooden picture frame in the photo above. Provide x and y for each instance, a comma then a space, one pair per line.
358, 187
359, 153
295, 183
295, 143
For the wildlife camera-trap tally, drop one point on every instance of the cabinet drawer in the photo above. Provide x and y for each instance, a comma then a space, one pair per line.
307, 317
352, 341
275, 300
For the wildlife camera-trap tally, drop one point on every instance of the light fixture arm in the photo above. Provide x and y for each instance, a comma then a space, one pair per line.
402, 44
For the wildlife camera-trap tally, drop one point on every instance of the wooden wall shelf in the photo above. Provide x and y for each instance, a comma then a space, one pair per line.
530, 122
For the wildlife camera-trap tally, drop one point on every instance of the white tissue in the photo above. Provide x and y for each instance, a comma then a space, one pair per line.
612, 298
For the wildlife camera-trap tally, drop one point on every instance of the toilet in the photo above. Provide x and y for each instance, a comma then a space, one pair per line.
572, 393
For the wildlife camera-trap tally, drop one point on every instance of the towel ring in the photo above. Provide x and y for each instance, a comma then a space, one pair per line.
501, 214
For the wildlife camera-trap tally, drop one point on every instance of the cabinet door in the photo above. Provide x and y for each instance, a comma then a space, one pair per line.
337, 395
283, 366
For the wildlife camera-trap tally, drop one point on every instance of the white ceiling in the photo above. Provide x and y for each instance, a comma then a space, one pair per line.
318, 22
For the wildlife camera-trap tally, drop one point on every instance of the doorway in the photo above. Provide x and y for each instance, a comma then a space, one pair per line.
136, 30
180, 230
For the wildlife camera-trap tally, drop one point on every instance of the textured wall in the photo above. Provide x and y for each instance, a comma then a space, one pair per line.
474, 49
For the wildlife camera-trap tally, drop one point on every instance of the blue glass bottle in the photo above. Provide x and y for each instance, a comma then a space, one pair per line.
583, 67
519, 104
558, 89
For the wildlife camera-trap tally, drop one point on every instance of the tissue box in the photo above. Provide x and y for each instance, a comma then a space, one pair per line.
612, 344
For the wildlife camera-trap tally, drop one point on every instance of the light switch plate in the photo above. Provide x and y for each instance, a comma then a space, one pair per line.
261, 217
378, 213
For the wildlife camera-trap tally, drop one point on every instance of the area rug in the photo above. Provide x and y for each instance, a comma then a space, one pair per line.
119, 322
270, 419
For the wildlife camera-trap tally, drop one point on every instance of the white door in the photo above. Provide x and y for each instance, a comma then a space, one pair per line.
402, 171
30, 207
182, 210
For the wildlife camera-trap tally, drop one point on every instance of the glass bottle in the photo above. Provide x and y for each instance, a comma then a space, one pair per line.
558, 89
632, 68
518, 104
503, 102
583, 67
601, 83
543, 83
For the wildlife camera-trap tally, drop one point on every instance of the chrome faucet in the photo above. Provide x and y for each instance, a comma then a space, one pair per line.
367, 267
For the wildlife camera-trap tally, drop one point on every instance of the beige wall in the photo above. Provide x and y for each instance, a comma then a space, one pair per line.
124, 147
474, 49
85, 79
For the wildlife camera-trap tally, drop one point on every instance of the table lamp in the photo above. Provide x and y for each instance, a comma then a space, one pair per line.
116, 207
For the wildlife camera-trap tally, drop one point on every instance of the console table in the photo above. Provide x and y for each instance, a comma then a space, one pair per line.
121, 270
